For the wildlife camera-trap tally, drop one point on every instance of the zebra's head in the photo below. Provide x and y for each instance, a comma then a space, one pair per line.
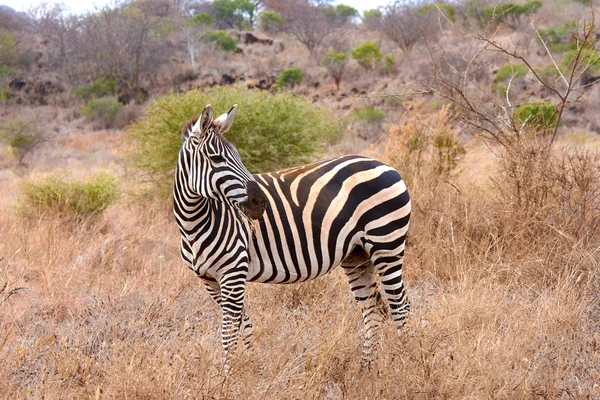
215, 168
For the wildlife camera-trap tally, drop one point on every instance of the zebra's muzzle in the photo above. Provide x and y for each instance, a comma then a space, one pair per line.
256, 204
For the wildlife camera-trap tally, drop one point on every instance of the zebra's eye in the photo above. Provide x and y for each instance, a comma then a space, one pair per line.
217, 159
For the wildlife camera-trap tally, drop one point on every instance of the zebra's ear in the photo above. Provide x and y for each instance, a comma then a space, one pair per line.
223, 123
203, 122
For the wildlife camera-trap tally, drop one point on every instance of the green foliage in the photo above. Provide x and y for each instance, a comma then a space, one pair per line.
8, 47
389, 63
289, 77
558, 39
102, 111
448, 151
509, 13
56, 195
587, 60
223, 40
371, 14
446, 9
505, 73
4, 70
369, 115
270, 21
22, 136
201, 19
270, 131
345, 13
335, 63
367, 54
102, 87
539, 115
237, 13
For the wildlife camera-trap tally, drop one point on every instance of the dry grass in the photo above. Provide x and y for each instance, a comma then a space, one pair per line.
107, 310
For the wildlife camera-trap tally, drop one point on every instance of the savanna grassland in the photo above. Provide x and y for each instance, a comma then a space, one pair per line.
503, 257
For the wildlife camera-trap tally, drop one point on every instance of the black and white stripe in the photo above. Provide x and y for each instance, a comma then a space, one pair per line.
351, 211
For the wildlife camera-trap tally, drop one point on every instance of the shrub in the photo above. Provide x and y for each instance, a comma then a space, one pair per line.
389, 64
271, 131
335, 63
446, 9
558, 39
223, 40
367, 54
22, 136
289, 77
344, 13
8, 47
127, 115
505, 73
102, 111
57, 195
509, 13
372, 16
539, 115
587, 59
369, 115
270, 21
102, 87
425, 149
234, 13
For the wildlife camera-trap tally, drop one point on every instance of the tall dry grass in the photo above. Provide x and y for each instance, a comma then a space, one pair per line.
110, 312
503, 306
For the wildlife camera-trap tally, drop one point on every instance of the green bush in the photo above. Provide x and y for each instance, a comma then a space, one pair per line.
102, 87
22, 136
335, 63
102, 111
505, 73
589, 60
367, 54
446, 9
371, 16
223, 40
559, 39
369, 115
289, 77
236, 13
509, 13
270, 21
271, 131
59, 196
8, 47
539, 115
344, 13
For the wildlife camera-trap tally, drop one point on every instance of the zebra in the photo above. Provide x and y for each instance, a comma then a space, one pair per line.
289, 226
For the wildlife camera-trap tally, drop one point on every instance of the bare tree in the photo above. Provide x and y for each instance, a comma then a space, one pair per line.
194, 29
310, 22
127, 43
402, 22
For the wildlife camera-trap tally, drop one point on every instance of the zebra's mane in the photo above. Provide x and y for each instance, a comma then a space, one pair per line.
187, 129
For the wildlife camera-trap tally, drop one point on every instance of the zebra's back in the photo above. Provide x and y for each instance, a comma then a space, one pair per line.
318, 213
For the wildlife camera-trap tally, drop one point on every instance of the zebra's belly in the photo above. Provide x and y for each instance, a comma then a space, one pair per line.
289, 254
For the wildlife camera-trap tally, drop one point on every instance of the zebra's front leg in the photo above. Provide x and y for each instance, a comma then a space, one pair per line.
232, 306
214, 290
364, 288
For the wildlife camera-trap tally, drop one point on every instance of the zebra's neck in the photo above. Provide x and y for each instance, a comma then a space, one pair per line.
213, 232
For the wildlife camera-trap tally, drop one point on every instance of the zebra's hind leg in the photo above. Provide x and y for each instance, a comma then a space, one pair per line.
361, 275
389, 269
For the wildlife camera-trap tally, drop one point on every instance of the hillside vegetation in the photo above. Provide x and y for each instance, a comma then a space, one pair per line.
489, 110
